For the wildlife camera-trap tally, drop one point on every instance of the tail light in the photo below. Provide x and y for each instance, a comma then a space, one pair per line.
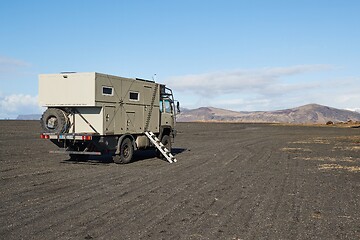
86, 138
44, 136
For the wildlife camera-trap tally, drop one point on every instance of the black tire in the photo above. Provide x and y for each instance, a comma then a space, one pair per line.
166, 141
126, 152
54, 120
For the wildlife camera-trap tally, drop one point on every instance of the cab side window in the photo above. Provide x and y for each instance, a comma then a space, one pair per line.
168, 107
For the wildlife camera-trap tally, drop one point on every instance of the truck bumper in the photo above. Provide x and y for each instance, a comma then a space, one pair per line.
76, 152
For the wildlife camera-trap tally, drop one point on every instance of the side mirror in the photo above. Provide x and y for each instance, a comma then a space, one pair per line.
178, 107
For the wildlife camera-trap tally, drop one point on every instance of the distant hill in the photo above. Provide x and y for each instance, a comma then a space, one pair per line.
29, 117
311, 113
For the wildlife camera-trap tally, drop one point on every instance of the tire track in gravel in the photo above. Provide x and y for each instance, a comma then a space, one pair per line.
236, 202
84, 189
161, 204
208, 188
209, 184
82, 199
235, 196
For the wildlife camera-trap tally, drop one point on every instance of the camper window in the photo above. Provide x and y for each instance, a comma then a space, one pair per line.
108, 91
134, 96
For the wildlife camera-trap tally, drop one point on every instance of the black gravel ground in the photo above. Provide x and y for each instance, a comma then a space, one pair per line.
231, 181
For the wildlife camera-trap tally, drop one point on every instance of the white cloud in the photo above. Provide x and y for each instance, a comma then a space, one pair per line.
243, 104
267, 88
11, 61
264, 80
354, 109
13, 105
9, 65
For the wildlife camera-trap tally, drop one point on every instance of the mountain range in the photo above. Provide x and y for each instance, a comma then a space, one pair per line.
307, 114
29, 117
311, 113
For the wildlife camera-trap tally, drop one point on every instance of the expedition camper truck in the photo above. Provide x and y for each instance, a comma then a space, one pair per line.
99, 114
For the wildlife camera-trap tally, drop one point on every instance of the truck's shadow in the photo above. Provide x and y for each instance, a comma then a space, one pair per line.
151, 153
176, 151
138, 156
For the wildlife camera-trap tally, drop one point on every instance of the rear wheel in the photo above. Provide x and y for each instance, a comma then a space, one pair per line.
126, 152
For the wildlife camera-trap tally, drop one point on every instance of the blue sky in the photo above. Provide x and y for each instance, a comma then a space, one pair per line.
239, 55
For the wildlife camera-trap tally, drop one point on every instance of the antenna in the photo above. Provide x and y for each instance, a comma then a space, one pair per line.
154, 77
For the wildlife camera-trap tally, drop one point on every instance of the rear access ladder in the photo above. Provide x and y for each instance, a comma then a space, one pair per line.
158, 144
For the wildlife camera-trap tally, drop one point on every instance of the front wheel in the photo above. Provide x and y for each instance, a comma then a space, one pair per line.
166, 141
126, 152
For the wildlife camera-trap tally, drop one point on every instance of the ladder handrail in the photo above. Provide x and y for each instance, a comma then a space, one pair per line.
151, 107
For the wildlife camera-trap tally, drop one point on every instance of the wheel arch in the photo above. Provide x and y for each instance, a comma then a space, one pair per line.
121, 139
165, 130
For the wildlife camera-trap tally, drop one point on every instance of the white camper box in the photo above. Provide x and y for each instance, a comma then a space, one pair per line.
110, 104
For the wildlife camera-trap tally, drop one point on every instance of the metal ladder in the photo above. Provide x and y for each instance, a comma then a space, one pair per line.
158, 144
151, 107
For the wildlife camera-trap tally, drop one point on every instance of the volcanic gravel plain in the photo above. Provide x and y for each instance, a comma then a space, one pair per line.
231, 181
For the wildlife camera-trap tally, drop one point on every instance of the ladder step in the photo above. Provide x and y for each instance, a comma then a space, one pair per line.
158, 144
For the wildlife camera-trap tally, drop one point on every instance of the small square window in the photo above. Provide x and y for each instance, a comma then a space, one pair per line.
134, 96
108, 91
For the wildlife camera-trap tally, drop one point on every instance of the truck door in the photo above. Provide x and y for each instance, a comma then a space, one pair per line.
109, 119
167, 115
130, 122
